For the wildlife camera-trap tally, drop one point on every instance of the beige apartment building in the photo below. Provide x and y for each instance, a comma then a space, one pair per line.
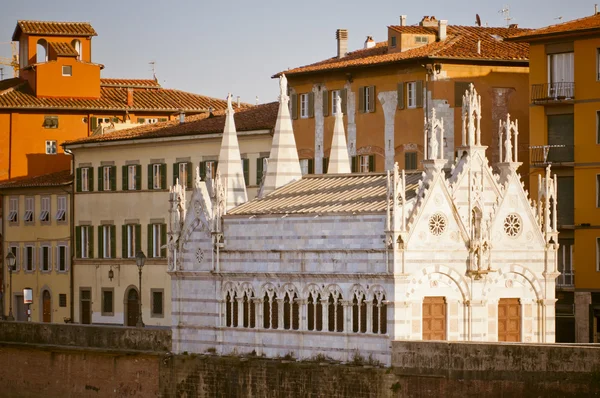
36, 230
121, 206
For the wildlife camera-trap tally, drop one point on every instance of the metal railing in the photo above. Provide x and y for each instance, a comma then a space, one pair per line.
542, 155
559, 91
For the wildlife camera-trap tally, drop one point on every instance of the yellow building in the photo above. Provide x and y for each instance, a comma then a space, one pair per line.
36, 229
388, 88
122, 206
565, 132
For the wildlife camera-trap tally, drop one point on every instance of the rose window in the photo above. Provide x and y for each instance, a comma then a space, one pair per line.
437, 224
512, 225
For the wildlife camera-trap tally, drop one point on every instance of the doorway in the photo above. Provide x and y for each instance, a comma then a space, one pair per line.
509, 320
46, 307
133, 307
20, 309
85, 304
434, 318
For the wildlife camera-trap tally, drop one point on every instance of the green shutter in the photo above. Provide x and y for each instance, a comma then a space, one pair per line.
77, 242
113, 178
400, 90
115, 120
419, 93
203, 171
93, 123
190, 175
361, 99
371, 163
78, 179
90, 179
141, 120
150, 185
113, 240
259, 170
372, 102
138, 177
246, 167
100, 242
294, 105
163, 240
138, 238
176, 173
124, 241
100, 182
311, 166
149, 240
325, 103
311, 104
125, 177
354, 165
344, 96
163, 176
325, 165
90, 241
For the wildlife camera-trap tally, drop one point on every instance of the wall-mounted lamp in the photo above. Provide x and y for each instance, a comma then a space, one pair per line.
437, 68
111, 274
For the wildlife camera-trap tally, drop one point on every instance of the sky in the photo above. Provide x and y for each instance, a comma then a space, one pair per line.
213, 48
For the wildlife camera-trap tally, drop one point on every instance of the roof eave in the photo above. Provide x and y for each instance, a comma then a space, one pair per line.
63, 108
554, 35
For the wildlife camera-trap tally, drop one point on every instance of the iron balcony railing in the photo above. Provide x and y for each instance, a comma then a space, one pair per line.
547, 92
543, 155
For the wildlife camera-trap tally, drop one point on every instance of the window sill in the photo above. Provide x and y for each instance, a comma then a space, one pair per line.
157, 316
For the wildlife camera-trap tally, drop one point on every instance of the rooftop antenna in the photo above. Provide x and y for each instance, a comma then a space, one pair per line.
153, 66
506, 14
257, 100
559, 19
477, 20
1, 73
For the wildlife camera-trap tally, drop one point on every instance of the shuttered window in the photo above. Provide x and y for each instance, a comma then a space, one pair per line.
260, 168
182, 172
366, 99
410, 160
84, 241
411, 95
561, 129
84, 179
157, 239
400, 90
566, 203
325, 96
107, 178
106, 241
131, 238
157, 176
307, 105
246, 169
132, 177
294, 105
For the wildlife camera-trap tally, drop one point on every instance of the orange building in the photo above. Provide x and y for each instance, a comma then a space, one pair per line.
388, 88
565, 132
60, 96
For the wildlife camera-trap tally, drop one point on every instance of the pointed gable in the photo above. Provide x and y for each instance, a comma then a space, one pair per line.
339, 161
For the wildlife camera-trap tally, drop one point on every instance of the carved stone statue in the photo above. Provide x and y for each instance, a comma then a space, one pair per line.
507, 148
433, 146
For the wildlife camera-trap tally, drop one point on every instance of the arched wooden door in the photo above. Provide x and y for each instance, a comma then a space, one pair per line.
509, 319
46, 307
434, 318
133, 307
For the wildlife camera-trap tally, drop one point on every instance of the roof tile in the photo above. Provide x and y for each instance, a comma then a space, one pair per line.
55, 179
63, 49
53, 28
576, 25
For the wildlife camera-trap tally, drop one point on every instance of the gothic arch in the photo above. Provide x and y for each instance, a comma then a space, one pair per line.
229, 287
311, 288
445, 274
357, 289
269, 289
376, 291
289, 287
524, 276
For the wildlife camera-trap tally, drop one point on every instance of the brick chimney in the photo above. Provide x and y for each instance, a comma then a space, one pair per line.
369, 43
402, 20
442, 29
129, 96
429, 21
342, 42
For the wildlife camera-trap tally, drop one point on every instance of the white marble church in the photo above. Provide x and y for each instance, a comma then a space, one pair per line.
341, 263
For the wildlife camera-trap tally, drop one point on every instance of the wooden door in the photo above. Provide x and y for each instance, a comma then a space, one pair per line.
86, 306
133, 307
434, 318
509, 319
46, 307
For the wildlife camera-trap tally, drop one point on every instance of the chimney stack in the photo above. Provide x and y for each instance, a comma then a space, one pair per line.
238, 101
595, 9
402, 20
369, 43
479, 47
442, 29
129, 96
342, 42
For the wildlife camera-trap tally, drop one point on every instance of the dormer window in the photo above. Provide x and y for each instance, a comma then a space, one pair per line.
67, 70
421, 39
393, 41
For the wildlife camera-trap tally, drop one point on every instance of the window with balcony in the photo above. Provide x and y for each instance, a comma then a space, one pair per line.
561, 75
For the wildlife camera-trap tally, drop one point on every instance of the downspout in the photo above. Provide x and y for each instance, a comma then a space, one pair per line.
10, 126
72, 239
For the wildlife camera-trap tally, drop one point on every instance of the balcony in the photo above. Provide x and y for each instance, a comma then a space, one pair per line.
556, 155
549, 93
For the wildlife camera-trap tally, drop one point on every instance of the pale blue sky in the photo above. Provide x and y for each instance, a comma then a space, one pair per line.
216, 47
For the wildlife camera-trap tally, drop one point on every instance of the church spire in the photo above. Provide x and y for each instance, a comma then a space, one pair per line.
339, 161
284, 165
230, 163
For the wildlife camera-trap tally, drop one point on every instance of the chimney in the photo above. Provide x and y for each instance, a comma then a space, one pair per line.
369, 43
342, 42
442, 25
595, 9
181, 117
479, 47
402, 20
238, 101
513, 26
429, 21
129, 96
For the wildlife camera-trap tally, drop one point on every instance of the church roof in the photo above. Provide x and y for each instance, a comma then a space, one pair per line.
329, 193
53, 28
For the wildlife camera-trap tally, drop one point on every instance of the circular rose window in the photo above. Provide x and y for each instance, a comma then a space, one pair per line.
437, 224
512, 225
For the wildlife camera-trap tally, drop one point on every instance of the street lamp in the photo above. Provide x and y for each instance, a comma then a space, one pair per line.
10, 260
140, 260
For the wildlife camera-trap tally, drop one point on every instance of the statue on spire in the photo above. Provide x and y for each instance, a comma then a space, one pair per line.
283, 89
229, 106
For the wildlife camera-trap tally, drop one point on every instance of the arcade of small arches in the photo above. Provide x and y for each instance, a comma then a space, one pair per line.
317, 308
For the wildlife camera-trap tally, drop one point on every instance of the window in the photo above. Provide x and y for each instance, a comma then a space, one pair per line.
421, 39
411, 94
208, 168
359, 313
147, 120
157, 176
29, 207
261, 167
106, 241
249, 310
77, 46
62, 300
67, 70
379, 310
291, 317
304, 166
108, 181
84, 241
50, 147
335, 312
15, 251
85, 179
182, 172
131, 240
61, 258
13, 214
270, 311
365, 164
366, 99
231, 309
157, 303
597, 190
45, 258
597, 127
131, 177
410, 160
29, 258
597, 254
315, 312
61, 213
157, 234
304, 106
598, 64
107, 302
393, 41
561, 67
50, 122
45, 212
334, 99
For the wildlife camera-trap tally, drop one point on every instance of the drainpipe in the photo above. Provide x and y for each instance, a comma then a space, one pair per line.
72, 238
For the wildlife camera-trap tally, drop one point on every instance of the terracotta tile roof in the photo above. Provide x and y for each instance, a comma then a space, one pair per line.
328, 193
52, 28
47, 180
63, 49
129, 83
581, 25
260, 117
16, 93
461, 43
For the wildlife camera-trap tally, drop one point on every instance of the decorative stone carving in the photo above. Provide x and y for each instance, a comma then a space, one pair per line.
437, 224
